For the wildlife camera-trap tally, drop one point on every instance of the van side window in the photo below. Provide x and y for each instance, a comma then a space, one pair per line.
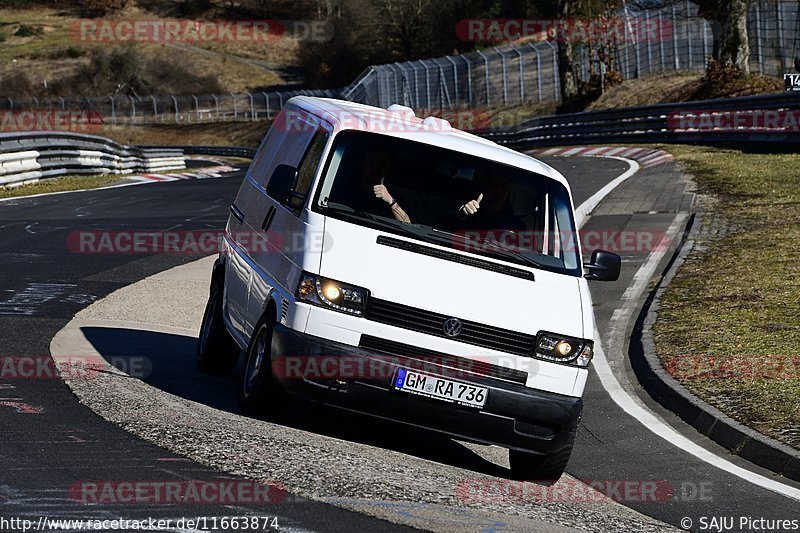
263, 156
308, 167
289, 138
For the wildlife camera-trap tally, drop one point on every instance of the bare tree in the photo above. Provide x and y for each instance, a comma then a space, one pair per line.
728, 20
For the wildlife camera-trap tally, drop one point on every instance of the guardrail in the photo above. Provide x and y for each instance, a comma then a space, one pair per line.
756, 119
660, 123
31, 156
221, 151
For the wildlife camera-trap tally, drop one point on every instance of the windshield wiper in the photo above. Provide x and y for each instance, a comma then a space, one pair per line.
495, 245
403, 227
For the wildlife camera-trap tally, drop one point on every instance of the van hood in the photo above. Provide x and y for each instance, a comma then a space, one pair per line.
550, 303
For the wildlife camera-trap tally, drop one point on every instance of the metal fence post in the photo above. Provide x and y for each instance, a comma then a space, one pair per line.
398, 82
455, 78
216, 107
521, 74
625, 47
689, 36
556, 80
113, 111
469, 80
235, 107
705, 41
779, 19
266, 104
155, 108
252, 107
505, 75
675, 59
638, 60
443, 92
133, 109
63, 105
378, 93
647, 40
759, 45
427, 84
196, 108
175, 102
486, 70
538, 72
661, 41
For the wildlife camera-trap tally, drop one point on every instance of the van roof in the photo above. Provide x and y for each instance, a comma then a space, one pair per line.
346, 115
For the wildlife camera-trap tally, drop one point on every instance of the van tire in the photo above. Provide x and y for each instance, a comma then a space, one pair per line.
217, 352
258, 392
546, 469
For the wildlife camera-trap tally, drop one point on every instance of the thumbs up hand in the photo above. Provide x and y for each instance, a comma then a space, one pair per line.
382, 192
471, 207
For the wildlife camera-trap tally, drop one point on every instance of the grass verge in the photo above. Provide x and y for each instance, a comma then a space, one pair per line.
728, 326
65, 183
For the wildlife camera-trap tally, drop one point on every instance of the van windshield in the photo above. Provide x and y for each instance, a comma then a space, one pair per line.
451, 199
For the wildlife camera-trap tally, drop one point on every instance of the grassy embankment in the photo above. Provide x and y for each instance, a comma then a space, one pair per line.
729, 324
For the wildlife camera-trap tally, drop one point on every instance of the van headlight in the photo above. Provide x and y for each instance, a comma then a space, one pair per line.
333, 294
563, 349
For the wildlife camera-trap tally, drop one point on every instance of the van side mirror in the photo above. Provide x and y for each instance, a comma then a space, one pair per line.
281, 184
604, 266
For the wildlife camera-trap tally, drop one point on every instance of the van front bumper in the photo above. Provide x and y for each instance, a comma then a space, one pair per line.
349, 377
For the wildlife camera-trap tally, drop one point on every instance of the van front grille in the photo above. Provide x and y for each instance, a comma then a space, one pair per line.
407, 317
450, 362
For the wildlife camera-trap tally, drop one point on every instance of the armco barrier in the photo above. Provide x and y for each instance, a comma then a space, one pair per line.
221, 151
646, 124
31, 156
658, 123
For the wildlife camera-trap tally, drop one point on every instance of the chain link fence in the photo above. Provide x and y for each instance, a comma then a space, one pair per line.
485, 78
672, 38
684, 41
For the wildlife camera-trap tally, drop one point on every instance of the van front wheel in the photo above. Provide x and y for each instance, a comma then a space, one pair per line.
258, 390
545, 469
217, 352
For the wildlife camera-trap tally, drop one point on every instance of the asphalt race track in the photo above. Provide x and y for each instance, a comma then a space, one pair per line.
50, 441
45, 453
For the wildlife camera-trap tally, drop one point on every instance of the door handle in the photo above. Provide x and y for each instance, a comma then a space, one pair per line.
268, 219
237, 213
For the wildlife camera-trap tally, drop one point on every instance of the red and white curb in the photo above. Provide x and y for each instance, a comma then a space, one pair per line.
201, 174
646, 157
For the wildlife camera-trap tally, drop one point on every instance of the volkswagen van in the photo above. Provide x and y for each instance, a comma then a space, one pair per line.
398, 267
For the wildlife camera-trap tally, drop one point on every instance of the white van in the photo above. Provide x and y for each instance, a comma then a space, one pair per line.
398, 267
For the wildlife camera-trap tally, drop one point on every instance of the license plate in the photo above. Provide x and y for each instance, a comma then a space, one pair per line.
440, 388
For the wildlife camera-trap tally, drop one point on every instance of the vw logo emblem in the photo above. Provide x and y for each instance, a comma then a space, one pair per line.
452, 327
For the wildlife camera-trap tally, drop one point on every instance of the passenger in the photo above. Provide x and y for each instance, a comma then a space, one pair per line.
491, 209
376, 167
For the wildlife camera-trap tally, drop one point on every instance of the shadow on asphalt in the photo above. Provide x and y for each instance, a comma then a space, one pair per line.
169, 365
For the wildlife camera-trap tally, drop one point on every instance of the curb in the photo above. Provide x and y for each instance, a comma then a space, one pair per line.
734, 436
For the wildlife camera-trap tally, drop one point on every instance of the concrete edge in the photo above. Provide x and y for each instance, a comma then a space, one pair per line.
734, 436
